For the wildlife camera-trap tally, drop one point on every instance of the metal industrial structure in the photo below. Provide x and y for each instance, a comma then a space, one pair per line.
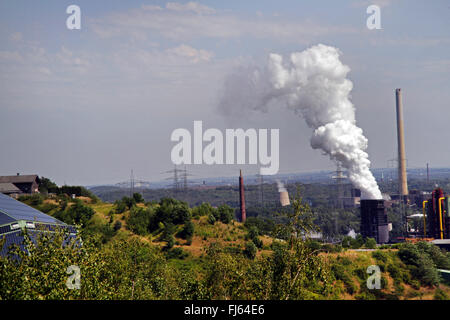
436, 215
402, 179
242, 197
374, 220
18, 219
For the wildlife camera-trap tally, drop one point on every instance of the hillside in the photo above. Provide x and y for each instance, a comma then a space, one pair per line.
202, 253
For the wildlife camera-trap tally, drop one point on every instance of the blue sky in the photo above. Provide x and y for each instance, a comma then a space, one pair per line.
87, 106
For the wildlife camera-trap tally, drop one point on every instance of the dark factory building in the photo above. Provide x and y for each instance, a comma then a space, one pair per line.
374, 220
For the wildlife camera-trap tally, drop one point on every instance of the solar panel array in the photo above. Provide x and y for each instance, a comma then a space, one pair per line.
11, 209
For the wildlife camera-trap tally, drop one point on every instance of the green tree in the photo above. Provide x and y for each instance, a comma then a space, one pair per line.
77, 213
140, 220
47, 186
188, 231
250, 250
370, 243
137, 197
225, 213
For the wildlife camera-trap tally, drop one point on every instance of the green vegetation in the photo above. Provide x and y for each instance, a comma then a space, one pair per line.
167, 250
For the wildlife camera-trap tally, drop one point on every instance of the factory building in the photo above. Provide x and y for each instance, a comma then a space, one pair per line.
16, 218
374, 220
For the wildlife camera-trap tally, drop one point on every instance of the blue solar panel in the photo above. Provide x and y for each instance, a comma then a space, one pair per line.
17, 210
12, 238
4, 219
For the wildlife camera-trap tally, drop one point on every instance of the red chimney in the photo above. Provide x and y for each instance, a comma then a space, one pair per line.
242, 197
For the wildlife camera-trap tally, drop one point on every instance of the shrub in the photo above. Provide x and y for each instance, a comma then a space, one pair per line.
380, 256
188, 231
419, 263
172, 211
370, 243
440, 294
225, 213
176, 253
77, 213
250, 250
117, 226
211, 219
120, 207
137, 197
202, 210
139, 220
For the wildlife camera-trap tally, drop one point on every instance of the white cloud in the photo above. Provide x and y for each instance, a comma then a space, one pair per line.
16, 36
409, 41
189, 21
190, 6
193, 54
380, 3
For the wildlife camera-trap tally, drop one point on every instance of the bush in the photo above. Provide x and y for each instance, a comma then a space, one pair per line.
370, 243
419, 263
250, 250
120, 207
98, 233
225, 213
202, 210
341, 274
176, 253
77, 213
358, 242
137, 197
117, 226
188, 231
380, 256
172, 211
211, 219
139, 220
440, 294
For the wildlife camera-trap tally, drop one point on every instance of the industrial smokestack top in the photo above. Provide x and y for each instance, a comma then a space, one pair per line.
402, 179
242, 197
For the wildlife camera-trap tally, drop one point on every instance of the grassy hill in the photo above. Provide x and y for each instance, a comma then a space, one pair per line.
225, 259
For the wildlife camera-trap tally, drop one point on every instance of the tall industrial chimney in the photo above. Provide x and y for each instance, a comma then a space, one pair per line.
402, 180
242, 197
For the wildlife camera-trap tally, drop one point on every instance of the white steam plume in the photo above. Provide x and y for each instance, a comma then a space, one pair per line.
281, 187
313, 83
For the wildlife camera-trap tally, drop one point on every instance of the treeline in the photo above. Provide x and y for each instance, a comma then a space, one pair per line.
46, 186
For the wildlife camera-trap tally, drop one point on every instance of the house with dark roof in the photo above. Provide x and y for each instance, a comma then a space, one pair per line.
18, 219
19, 184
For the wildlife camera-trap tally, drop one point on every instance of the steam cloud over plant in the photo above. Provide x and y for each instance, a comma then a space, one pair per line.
313, 84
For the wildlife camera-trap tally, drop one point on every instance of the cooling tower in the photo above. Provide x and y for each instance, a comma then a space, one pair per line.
284, 198
402, 180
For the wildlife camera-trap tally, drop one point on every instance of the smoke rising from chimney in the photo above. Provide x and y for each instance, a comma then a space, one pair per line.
280, 186
313, 84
